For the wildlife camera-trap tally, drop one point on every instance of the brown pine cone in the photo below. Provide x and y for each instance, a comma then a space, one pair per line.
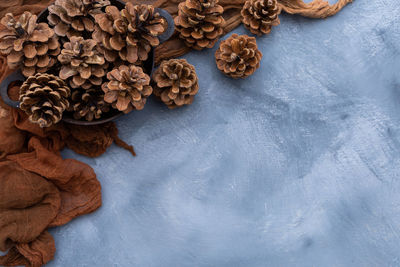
176, 83
128, 34
73, 17
44, 97
27, 44
199, 23
82, 64
238, 56
88, 104
258, 16
128, 88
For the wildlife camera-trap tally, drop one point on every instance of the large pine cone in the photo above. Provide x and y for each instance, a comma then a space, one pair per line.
29, 45
176, 83
44, 97
238, 56
128, 88
129, 34
82, 63
200, 22
258, 16
88, 104
73, 17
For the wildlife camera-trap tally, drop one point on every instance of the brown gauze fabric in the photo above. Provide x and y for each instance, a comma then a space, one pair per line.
39, 189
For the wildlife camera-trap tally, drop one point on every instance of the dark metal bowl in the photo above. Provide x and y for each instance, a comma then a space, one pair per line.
113, 114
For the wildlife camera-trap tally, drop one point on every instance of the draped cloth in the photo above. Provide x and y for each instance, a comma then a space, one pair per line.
176, 47
38, 188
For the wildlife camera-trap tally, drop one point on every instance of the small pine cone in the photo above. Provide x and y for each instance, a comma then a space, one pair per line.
88, 104
199, 23
28, 45
238, 56
128, 34
258, 16
73, 17
82, 64
128, 88
176, 83
44, 97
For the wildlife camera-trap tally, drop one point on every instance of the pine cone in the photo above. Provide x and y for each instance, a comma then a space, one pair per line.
128, 34
128, 88
176, 83
200, 22
258, 16
29, 45
44, 97
88, 104
73, 17
238, 56
82, 64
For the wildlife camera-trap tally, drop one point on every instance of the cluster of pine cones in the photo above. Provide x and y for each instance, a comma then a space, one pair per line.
86, 60
200, 25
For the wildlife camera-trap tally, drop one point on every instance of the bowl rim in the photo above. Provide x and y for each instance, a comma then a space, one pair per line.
148, 67
68, 118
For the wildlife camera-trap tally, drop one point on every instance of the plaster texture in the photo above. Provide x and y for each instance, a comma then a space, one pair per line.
297, 165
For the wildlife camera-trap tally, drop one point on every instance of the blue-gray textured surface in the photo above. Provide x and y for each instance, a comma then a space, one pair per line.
297, 165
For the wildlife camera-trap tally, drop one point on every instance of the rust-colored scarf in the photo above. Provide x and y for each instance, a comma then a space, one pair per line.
39, 189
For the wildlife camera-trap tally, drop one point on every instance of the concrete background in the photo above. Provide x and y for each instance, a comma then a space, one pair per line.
297, 165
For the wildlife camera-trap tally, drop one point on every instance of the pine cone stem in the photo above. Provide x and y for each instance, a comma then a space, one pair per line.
238, 56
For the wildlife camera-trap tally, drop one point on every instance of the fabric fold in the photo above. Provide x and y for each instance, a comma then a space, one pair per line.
232, 8
38, 188
33, 254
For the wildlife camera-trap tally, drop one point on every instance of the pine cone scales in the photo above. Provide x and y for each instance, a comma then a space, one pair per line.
259, 16
129, 33
83, 64
238, 56
44, 98
176, 83
128, 88
88, 104
72, 17
199, 23
28, 44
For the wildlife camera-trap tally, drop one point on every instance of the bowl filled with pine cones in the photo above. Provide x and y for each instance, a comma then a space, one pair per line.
85, 62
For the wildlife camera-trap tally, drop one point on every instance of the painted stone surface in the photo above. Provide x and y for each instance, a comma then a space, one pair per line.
297, 165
